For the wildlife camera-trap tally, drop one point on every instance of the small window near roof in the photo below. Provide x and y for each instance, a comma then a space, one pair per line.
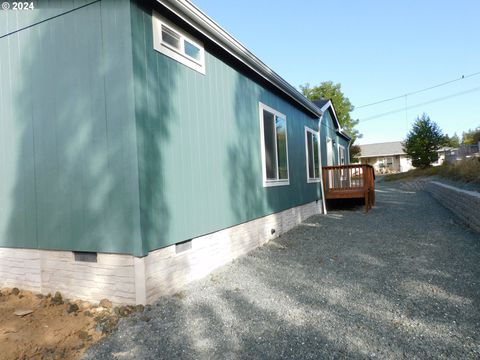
170, 37
174, 42
192, 50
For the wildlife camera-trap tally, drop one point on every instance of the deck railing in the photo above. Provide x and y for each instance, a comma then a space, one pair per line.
349, 182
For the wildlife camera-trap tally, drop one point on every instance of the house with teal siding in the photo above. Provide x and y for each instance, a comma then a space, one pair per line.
142, 146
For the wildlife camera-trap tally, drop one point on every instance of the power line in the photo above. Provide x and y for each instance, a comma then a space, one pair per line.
420, 104
419, 91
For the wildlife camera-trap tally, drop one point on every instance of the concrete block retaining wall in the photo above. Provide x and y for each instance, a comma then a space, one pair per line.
126, 279
465, 204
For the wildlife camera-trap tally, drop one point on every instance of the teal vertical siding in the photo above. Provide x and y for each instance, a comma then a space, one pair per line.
12, 20
107, 145
199, 144
68, 161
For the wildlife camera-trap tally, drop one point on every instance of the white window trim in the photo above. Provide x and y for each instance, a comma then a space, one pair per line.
179, 55
327, 140
344, 154
268, 182
316, 133
384, 160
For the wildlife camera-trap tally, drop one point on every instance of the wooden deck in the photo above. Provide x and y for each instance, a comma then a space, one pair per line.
350, 182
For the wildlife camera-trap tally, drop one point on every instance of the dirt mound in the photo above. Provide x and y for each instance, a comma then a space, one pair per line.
33, 326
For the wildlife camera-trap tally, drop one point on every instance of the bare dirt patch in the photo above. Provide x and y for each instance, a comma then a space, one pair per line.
33, 326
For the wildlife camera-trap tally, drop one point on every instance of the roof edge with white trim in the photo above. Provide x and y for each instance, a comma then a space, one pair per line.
340, 130
193, 16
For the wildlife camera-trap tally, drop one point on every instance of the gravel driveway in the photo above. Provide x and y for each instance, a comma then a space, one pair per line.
402, 281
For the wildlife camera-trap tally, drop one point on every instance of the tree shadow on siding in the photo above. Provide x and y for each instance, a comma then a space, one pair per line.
245, 186
249, 199
73, 136
157, 80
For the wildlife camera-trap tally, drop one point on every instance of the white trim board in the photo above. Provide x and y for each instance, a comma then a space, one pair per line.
324, 202
317, 134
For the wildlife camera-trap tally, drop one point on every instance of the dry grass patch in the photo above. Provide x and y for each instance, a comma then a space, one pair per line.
466, 170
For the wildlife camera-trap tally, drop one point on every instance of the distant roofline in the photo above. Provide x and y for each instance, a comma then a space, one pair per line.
193, 16
377, 155
382, 154
385, 142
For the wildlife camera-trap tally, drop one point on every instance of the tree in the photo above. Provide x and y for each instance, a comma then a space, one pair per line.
354, 152
471, 137
423, 141
453, 141
343, 107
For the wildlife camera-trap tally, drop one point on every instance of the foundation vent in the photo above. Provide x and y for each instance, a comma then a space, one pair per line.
183, 246
84, 256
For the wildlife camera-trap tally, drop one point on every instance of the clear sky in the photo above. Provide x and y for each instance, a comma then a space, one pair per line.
375, 49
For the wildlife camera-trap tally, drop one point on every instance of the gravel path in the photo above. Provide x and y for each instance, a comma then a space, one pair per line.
402, 281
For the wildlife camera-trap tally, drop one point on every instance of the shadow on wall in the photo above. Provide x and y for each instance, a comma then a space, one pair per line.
71, 128
155, 86
243, 157
248, 198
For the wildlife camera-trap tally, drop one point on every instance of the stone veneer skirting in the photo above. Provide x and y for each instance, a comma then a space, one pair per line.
126, 279
465, 204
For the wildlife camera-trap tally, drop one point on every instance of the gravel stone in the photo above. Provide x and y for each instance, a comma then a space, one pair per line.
105, 303
400, 282
15, 291
72, 308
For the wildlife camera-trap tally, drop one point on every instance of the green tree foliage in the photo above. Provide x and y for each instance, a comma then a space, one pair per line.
471, 137
329, 91
453, 141
343, 107
354, 152
423, 141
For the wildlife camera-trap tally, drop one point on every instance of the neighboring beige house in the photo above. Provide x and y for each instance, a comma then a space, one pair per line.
387, 157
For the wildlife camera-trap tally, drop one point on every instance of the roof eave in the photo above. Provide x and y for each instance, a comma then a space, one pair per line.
345, 135
192, 15
340, 130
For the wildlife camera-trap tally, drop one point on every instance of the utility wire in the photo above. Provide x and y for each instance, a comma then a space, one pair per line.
418, 91
47, 19
420, 104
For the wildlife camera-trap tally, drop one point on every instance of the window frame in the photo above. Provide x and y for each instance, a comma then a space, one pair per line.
270, 182
319, 178
178, 54
344, 154
384, 162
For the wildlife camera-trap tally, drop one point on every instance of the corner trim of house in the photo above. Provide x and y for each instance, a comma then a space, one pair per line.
140, 281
